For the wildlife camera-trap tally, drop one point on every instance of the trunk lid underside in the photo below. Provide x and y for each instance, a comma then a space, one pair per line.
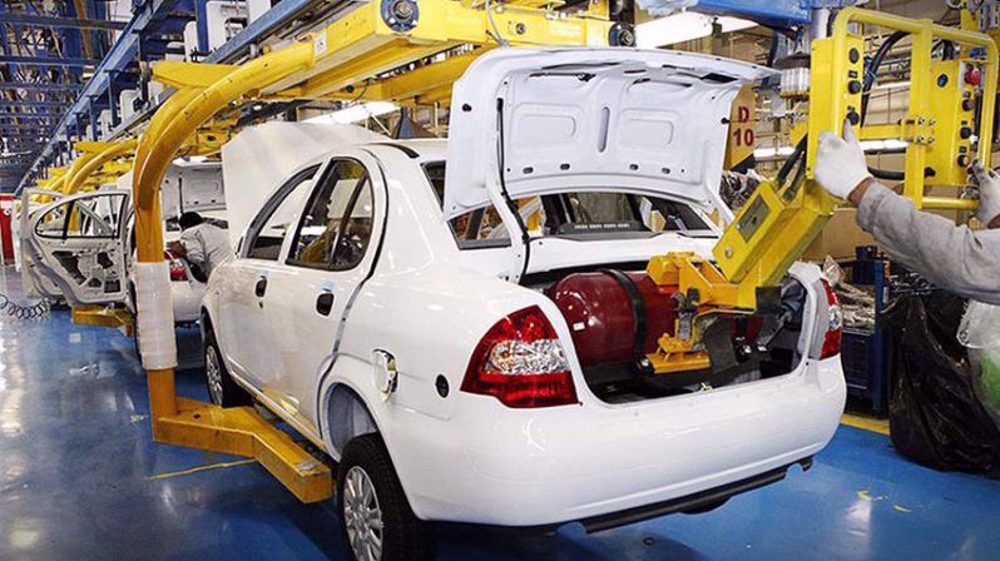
649, 122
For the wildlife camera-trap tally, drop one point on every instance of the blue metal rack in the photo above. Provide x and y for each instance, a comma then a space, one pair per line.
146, 38
864, 351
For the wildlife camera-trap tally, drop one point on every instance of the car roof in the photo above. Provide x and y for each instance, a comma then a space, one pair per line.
424, 148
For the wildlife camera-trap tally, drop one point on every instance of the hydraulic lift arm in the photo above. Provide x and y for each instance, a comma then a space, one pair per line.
949, 122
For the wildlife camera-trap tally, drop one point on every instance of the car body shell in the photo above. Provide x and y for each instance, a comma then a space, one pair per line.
468, 458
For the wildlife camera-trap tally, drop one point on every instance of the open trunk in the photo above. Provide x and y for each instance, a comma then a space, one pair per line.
616, 316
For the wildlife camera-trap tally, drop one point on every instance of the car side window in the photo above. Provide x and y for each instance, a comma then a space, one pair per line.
95, 217
337, 224
268, 230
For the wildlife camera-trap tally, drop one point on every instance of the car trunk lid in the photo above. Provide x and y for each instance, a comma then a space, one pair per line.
557, 120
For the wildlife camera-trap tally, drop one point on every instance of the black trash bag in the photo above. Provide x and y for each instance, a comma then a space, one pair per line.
935, 417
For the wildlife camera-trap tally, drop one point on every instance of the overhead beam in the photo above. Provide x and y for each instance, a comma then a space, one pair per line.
23, 130
265, 25
60, 22
27, 103
42, 116
49, 60
122, 53
40, 86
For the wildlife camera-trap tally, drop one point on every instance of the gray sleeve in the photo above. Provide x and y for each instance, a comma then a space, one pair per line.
952, 257
195, 245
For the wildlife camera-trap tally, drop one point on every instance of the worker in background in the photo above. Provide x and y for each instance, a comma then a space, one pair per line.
952, 257
204, 245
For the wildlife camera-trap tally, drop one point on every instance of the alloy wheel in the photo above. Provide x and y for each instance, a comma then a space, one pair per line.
213, 371
362, 516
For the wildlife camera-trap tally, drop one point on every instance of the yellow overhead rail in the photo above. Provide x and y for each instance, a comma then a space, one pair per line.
772, 230
357, 55
111, 151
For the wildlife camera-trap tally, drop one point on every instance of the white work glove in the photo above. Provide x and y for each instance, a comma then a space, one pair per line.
989, 192
840, 163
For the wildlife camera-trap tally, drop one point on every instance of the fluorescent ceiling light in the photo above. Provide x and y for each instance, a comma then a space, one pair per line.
355, 113
764, 153
866, 145
190, 160
891, 144
892, 85
684, 26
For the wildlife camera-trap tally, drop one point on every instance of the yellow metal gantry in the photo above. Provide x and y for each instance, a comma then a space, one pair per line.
358, 57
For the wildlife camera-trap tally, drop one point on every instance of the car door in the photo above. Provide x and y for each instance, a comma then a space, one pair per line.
77, 243
328, 259
242, 324
35, 283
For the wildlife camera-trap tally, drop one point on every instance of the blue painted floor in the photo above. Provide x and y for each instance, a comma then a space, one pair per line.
78, 481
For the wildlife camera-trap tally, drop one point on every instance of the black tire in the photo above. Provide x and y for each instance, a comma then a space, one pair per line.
227, 393
403, 536
135, 323
135, 339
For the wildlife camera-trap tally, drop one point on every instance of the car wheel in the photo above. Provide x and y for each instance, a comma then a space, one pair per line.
376, 520
135, 323
222, 390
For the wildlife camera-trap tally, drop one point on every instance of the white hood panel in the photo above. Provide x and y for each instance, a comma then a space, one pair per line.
603, 119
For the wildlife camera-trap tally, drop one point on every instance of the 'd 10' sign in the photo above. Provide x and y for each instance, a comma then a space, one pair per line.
741, 140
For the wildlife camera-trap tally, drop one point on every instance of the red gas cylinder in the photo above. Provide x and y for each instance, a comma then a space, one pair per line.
599, 309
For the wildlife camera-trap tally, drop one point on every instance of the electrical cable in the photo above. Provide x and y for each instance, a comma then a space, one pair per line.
786, 168
888, 175
24, 311
871, 74
772, 53
496, 31
511, 204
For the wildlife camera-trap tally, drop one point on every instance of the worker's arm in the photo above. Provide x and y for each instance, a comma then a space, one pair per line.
952, 257
194, 246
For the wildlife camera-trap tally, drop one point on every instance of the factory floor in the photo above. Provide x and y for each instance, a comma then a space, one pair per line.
80, 479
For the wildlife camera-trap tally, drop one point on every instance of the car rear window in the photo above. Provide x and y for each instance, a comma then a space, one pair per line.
585, 216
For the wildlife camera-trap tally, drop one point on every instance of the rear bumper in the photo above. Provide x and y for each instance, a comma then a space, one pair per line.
187, 300
707, 500
594, 462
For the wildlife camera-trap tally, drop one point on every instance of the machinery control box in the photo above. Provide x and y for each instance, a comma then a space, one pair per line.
953, 112
834, 97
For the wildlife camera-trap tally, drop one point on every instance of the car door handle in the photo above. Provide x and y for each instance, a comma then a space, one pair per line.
324, 303
261, 287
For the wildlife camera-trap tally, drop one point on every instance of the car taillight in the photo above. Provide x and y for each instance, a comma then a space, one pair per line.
520, 362
834, 325
177, 270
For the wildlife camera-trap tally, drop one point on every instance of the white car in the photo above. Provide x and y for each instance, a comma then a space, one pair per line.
79, 248
380, 306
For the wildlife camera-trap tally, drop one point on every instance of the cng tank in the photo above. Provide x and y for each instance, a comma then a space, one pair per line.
608, 312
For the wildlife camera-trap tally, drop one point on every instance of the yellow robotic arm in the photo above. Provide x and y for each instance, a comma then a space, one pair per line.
781, 219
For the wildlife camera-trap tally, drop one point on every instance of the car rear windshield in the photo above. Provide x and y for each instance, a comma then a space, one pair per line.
589, 215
